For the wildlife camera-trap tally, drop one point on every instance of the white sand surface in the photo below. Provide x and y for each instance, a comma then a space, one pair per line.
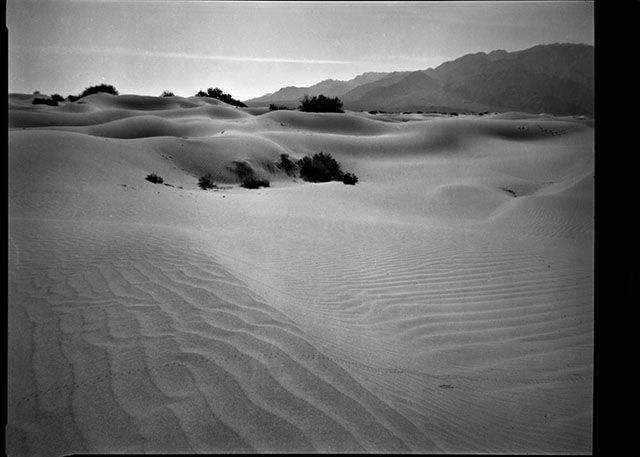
443, 304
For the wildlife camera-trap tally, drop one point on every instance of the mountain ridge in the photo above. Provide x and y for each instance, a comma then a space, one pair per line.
554, 78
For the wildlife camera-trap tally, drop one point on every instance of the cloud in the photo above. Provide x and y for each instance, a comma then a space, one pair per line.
172, 55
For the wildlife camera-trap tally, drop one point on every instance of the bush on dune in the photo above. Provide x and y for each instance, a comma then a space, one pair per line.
104, 88
44, 101
320, 104
219, 95
57, 97
167, 93
254, 183
350, 179
322, 167
154, 178
274, 107
287, 165
206, 182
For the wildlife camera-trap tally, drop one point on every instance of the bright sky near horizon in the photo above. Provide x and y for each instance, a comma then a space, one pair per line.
248, 49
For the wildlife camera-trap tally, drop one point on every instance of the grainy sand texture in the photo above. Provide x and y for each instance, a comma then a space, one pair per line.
443, 304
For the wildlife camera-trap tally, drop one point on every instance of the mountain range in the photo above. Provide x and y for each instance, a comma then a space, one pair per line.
556, 79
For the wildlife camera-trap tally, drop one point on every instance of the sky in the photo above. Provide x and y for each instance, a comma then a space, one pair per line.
248, 49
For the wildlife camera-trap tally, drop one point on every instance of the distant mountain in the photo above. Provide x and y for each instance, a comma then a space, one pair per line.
556, 79
330, 87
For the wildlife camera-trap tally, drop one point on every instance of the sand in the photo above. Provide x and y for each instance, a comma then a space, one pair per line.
443, 304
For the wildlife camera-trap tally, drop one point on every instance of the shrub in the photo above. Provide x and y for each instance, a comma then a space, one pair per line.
206, 182
350, 179
106, 88
320, 168
167, 93
373, 112
44, 101
243, 170
73, 98
255, 183
154, 178
274, 107
36, 92
57, 98
321, 104
287, 165
219, 95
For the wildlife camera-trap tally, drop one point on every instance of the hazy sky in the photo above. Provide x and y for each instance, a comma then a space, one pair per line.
250, 48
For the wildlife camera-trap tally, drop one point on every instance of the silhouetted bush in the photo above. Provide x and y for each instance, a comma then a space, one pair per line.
57, 97
206, 182
167, 93
73, 98
373, 112
320, 168
255, 183
287, 165
36, 92
219, 95
274, 107
154, 178
44, 101
320, 104
106, 88
349, 178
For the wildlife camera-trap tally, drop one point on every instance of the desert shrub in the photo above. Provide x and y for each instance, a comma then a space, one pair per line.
219, 95
206, 182
350, 179
373, 112
36, 92
321, 104
320, 168
57, 97
106, 88
287, 165
243, 170
72, 98
254, 183
154, 178
44, 101
274, 107
167, 93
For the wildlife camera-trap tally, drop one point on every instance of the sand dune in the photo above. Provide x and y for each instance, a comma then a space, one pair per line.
443, 304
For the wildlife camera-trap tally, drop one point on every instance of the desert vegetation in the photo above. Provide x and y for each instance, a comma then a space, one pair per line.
287, 165
322, 167
219, 95
167, 93
154, 178
254, 183
320, 104
274, 107
104, 88
206, 182
44, 101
